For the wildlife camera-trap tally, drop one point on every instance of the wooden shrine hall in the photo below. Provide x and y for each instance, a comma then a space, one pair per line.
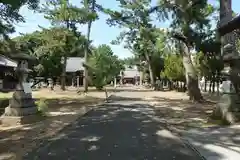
7, 77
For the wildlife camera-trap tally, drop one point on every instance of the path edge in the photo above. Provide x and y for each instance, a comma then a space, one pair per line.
46, 142
186, 142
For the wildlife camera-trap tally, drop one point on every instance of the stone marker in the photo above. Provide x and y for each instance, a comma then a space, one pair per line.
22, 107
228, 107
50, 83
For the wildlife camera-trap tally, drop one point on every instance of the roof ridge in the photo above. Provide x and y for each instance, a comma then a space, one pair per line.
7, 58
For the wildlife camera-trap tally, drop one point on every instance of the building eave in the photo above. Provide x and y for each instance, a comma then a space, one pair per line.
7, 62
230, 26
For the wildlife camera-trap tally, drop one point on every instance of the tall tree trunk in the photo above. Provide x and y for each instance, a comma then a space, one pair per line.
218, 86
152, 79
213, 84
205, 85
141, 77
191, 75
218, 82
150, 69
85, 80
210, 87
63, 78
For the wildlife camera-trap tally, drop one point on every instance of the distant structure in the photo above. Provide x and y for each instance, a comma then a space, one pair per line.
74, 64
7, 78
131, 75
74, 70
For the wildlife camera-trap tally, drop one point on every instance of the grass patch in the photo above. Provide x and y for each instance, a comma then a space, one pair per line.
5, 95
42, 106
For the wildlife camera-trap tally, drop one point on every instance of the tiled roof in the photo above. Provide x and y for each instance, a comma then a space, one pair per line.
5, 61
74, 64
131, 72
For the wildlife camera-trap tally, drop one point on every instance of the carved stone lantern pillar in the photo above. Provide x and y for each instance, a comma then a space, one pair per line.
228, 105
21, 104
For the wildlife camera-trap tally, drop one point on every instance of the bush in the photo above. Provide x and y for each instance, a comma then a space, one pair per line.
42, 106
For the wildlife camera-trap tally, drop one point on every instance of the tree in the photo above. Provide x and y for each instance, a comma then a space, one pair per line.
103, 66
130, 61
9, 14
61, 12
160, 50
87, 4
140, 35
191, 19
48, 46
173, 67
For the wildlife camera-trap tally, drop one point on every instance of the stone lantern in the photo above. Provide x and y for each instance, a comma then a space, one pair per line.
21, 105
228, 106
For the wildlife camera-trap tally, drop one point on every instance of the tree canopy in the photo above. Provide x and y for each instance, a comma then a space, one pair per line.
104, 66
9, 14
157, 52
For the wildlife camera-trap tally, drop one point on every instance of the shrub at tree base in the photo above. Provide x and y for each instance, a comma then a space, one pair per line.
42, 106
103, 66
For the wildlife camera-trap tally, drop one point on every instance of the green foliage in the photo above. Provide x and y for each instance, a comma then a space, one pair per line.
190, 18
173, 68
209, 65
103, 66
62, 12
9, 14
42, 106
48, 46
140, 35
130, 61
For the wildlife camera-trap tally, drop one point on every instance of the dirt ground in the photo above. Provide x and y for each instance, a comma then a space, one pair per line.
63, 108
178, 111
175, 107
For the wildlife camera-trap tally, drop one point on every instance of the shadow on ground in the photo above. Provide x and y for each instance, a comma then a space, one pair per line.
57, 102
181, 113
191, 122
127, 128
121, 90
114, 131
61, 112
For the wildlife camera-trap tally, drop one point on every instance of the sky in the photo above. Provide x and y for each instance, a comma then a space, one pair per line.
101, 33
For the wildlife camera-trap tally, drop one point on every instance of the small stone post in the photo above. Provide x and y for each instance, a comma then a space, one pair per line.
50, 83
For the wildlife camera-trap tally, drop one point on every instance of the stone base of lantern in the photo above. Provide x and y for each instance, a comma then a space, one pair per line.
21, 110
20, 120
